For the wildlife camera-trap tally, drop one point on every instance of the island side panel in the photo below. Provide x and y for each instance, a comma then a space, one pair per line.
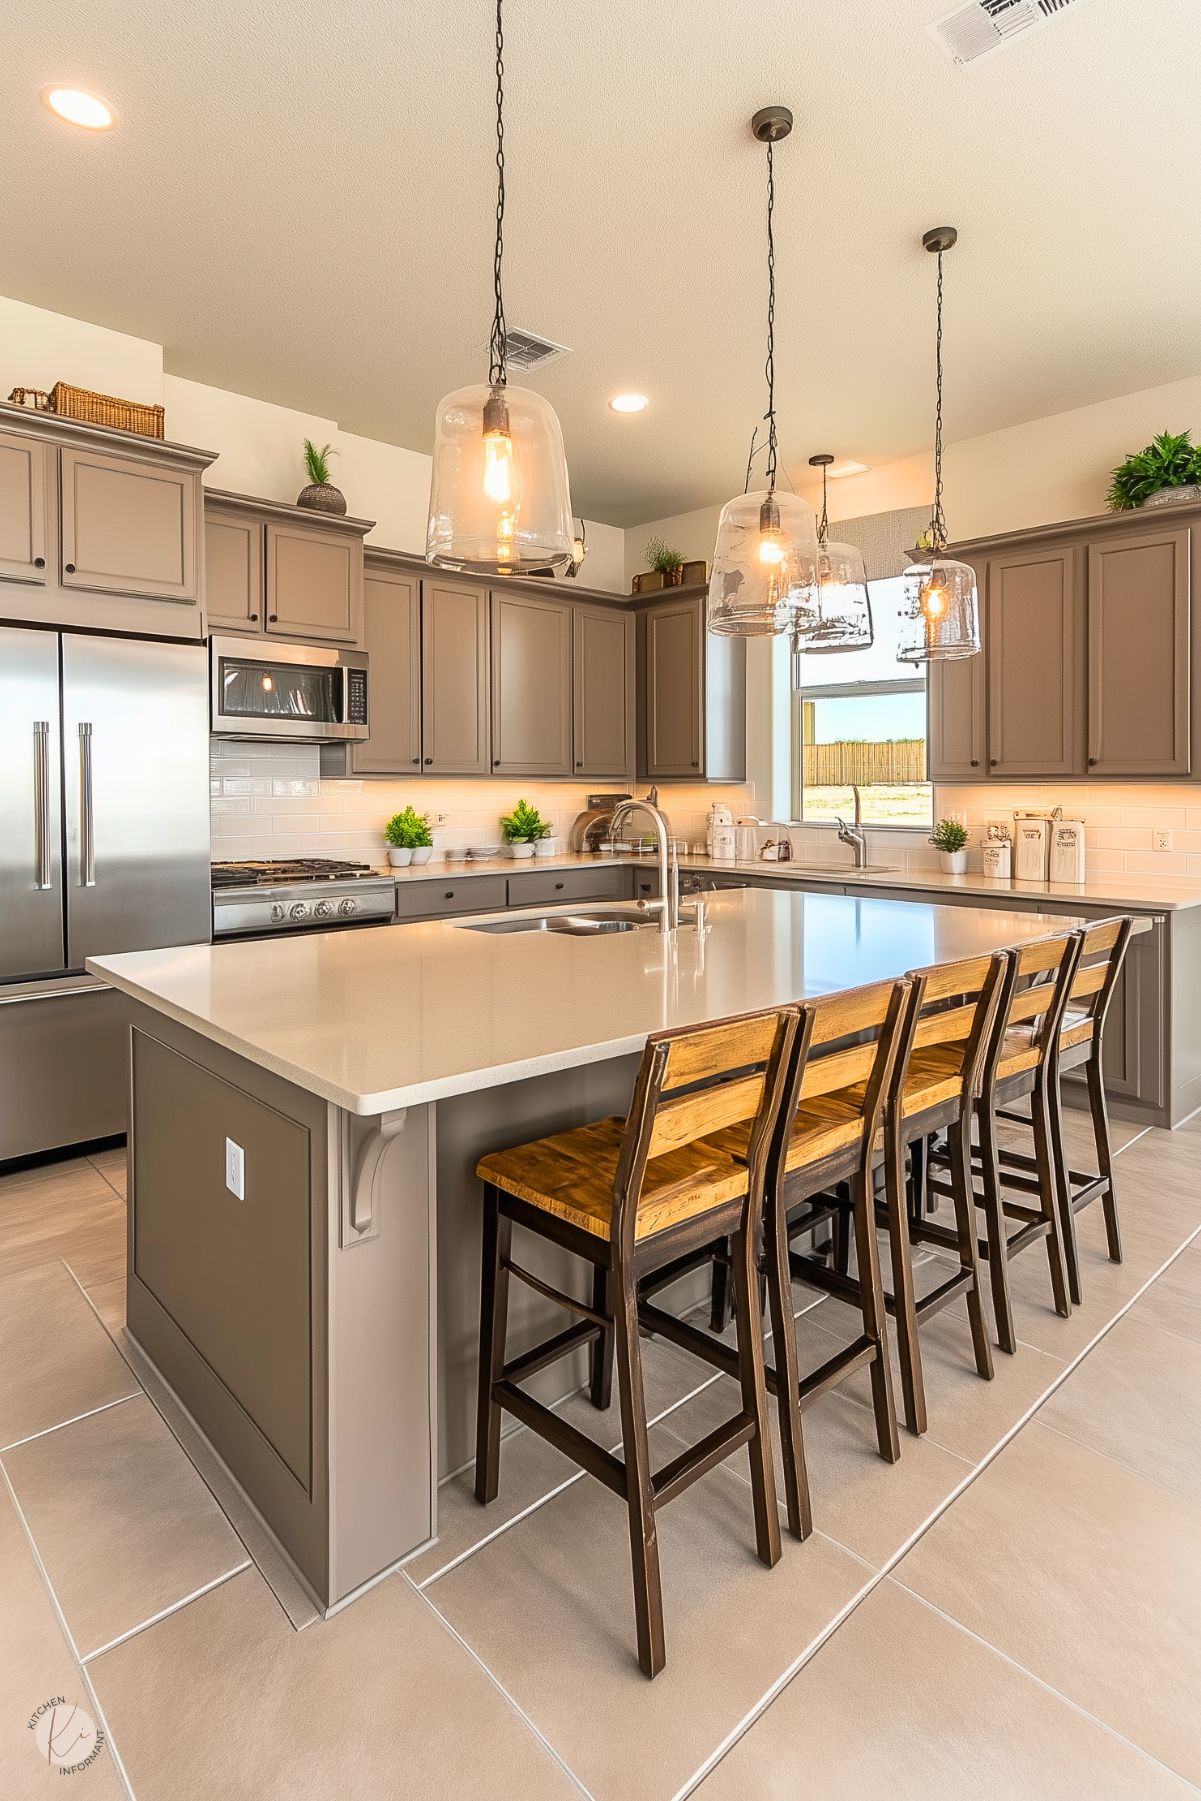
227, 1296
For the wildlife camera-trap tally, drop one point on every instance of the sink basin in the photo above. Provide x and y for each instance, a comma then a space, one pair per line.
842, 869
569, 925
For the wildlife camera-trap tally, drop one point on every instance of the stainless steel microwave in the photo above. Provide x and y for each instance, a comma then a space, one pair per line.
314, 693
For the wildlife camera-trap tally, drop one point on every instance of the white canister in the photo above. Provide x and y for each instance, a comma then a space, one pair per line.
720, 834
1031, 849
996, 858
1067, 850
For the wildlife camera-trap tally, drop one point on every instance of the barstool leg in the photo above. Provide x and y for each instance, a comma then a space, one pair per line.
1100, 1118
871, 1300
913, 1387
494, 1313
754, 1395
600, 1352
719, 1300
994, 1217
640, 1499
1063, 1191
959, 1140
783, 1329
1040, 1119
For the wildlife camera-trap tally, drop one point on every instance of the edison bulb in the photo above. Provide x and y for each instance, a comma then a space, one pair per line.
498, 466
934, 602
771, 548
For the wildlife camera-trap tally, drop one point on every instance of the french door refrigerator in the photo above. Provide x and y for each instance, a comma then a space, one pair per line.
104, 847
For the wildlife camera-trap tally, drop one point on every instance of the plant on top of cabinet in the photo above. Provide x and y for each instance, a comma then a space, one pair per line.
409, 838
523, 828
1167, 472
949, 839
320, 496
666, 562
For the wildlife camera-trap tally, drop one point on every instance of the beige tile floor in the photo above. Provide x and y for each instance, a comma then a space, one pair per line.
1013, 1610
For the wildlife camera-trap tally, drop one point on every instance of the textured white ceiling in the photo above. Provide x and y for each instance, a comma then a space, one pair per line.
297, 202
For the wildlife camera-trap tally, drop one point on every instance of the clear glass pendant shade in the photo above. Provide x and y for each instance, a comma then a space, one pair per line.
499, 500
940, 614
764, 565
840, 617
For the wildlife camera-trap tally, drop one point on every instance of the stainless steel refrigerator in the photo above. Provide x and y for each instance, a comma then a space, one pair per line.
104, 847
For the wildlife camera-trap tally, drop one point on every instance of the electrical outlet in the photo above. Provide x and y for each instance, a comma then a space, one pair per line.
235, 1169
1161, 840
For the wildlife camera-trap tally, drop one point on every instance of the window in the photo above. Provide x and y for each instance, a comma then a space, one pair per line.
859, 720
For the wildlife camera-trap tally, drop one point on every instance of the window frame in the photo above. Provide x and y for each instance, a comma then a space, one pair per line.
917, 684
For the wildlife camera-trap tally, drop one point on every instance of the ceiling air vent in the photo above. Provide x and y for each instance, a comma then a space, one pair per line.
980, 27
528, 351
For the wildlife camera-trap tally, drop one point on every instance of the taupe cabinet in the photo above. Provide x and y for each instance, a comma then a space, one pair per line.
456, 713
692, 686
531, 686
1091, 663
392, 633
98, 528
276, 569
604, 689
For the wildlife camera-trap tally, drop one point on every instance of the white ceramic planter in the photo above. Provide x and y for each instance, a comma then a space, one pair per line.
399, 857
546, 847
521, 850
422, 853
954, 862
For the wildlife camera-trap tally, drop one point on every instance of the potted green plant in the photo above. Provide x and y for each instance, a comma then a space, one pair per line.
949, 839
320, 496
1166, 473
665, 561
409, 838
524, 828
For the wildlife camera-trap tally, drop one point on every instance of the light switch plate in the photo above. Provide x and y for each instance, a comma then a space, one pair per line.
1161, 840
235, 1169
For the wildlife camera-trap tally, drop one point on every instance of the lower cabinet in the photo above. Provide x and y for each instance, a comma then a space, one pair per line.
438, 898
538, 889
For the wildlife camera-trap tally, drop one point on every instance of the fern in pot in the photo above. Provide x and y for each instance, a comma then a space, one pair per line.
1166, 473
949, 839
666, 562
320, 496
524, 830
409, 838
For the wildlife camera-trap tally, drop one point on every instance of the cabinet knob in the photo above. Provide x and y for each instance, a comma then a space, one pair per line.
975, 762
449, 895
417, 760
579, 762
70, 568
992, 762
428, 761
695, 763
558, 884
39, 562
496, 762
271, 618
1091, 762
253, 618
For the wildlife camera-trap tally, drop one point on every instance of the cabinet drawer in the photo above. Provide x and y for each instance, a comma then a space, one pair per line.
539, 889
433, 900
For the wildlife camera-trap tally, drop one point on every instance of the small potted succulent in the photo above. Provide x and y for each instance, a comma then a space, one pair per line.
1166, 473
949, 839
320, 496
524, 829
409, 838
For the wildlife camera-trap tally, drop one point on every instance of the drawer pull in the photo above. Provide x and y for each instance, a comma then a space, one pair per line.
449, 895
70, 568
558, 885
39, 562
271, 618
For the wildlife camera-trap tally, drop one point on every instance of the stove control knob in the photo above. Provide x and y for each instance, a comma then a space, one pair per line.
278, 912
323, 910
347, 907
298, 910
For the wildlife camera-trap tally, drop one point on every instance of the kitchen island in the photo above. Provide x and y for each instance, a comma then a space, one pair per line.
306, 1116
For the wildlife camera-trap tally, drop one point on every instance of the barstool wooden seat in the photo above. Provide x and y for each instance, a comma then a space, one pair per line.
628, 1197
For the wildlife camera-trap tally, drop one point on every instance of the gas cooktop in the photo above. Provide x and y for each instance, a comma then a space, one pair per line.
298, 894
268, 874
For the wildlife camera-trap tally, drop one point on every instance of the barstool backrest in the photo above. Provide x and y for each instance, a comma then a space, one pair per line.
693, 1082
950, 1005
845, 1045
1102, 950
1031, 1002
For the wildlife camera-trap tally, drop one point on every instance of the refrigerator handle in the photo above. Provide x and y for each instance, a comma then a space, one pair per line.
87, 838
41, 801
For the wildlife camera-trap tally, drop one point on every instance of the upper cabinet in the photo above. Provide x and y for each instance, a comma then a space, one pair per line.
99, 528
25, 483
233, 572
1091, 663
692, 685
531, 685
277, 569
603, 693
392, 635
455, 710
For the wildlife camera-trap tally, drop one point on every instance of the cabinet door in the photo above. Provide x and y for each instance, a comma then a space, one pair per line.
955, 714
392, 633
454, 679
233, 573
1138, 654
1035, 637
603, 692
531, 686
674, 677
314, 583
23, 486
127, 527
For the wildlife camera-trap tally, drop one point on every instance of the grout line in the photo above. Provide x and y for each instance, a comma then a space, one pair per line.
497, 1684
73, 1421
1047, 1687
166, 1612
66, 1632
891, 1563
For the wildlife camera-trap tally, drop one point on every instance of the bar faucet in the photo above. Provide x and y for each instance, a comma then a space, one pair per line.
669, 867
855, 835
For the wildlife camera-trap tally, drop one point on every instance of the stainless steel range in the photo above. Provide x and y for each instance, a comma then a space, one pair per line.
304, 894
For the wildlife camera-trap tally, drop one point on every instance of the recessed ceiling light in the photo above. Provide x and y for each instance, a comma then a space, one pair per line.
78, 107
629, 403
847, 467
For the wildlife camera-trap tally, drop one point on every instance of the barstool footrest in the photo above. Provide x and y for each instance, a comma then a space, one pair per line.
820, 1275
713, 1449
947, 1291
550, 1350
835, 1369
566, 1301
563, 1435
689, 1337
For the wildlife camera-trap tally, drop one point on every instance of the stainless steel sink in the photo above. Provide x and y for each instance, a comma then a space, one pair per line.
569, 925
842, 869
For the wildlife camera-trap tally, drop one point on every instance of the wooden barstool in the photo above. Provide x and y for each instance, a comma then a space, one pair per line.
627, 1197
1079, 1046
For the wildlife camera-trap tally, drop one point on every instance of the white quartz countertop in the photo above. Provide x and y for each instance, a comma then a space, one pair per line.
392, 1016
1158, 894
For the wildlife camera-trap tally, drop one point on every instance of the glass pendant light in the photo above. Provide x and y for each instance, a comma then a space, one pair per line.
940, 612
841, 614
765, 559
499, 501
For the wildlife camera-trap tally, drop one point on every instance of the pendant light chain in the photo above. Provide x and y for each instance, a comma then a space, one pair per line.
938, 524
770, 369
498, 367
823, 524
